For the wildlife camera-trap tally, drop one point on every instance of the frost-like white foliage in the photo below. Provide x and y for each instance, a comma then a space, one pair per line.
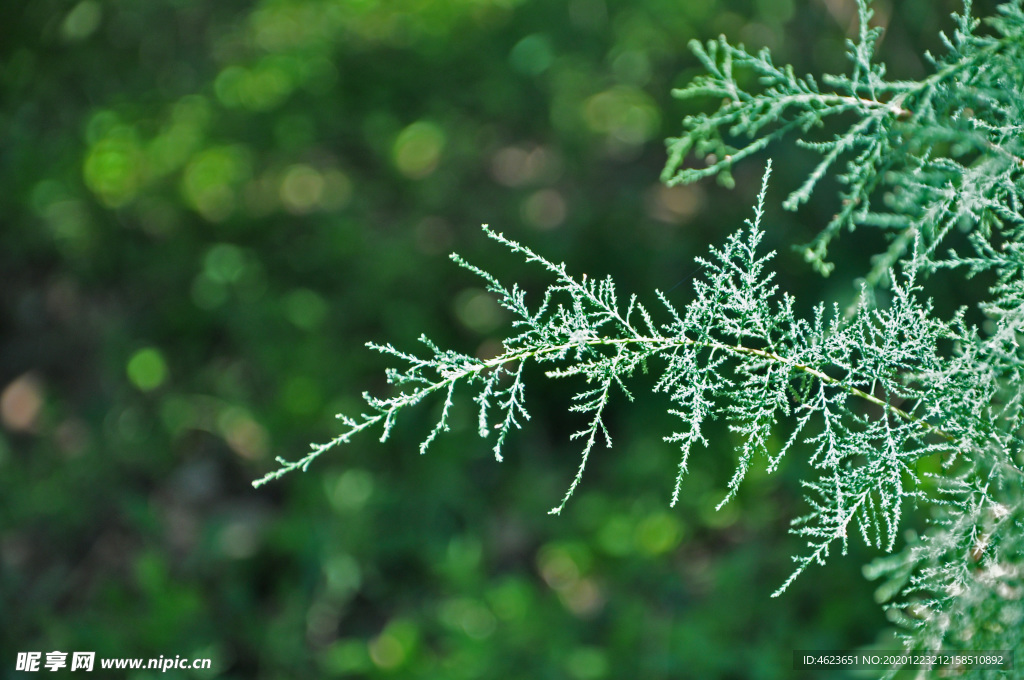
924, 161
888, 403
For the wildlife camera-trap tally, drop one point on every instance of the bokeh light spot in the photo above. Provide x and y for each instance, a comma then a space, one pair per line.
306, 309
224, 263
632, 66
211, 177
351, 491
301, 188
514, 166
478, 310
392, 647
261, 88
337, 190
674, 204
243, 434
21, 402
544, 209
386, 651
510, 600
343, 573
147, 369
532, 55
114, 167
625, 113
417, 149
346, 657
616, 536
228, 86
557, 566
469, 616
82, 21
658, 533
587, 663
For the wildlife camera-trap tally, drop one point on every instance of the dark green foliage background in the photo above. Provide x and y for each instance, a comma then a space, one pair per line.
247, 193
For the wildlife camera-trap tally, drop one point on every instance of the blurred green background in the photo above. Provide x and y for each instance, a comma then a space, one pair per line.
208, 208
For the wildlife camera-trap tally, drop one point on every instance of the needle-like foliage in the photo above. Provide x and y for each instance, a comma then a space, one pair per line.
927, 162
887, 405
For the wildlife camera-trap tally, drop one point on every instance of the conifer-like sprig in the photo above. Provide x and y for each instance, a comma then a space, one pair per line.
737, 351
945, 148
887, 405
925, 161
